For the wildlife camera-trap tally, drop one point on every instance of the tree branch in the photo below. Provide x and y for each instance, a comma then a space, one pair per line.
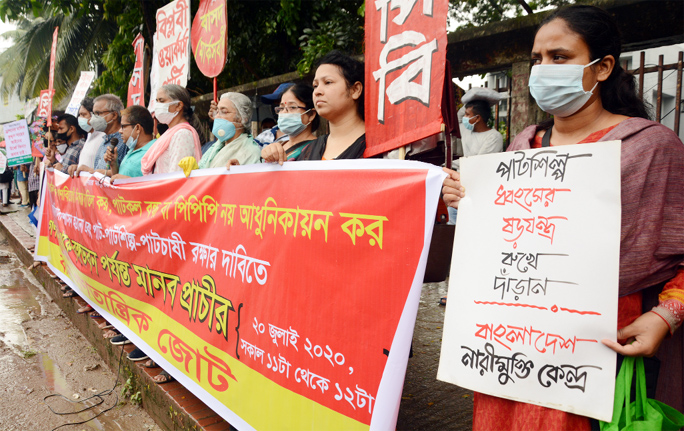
525, 6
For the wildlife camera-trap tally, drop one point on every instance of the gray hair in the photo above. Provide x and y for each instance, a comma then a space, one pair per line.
113, 103
243, 106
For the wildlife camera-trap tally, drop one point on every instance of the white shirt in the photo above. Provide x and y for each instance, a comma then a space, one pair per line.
89, 150
476, 143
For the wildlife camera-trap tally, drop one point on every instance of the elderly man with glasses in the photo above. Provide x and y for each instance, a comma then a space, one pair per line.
106, 117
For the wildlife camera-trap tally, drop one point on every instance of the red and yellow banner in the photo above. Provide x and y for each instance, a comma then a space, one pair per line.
283, 297
406, 44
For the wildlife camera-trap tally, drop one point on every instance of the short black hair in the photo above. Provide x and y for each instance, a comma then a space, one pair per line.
87, 103
352, 70
481, 108
72, 121
304, 93
139, 115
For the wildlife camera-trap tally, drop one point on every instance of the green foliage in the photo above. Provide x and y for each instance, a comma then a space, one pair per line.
342, 29
28, 353
265, 38
136, 399
473, 13
130, 390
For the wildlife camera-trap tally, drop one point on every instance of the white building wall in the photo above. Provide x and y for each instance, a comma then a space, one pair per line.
10, 107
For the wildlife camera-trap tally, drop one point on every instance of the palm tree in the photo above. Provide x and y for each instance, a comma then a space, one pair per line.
25, 66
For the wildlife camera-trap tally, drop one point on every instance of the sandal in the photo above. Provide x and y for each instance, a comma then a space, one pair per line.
105, 325
442, 300
166, 376
151, 364
95, 315
85, 309
70, 294
110, 334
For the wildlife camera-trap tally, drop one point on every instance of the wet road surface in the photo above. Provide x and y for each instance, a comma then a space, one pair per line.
41, 353
426, 403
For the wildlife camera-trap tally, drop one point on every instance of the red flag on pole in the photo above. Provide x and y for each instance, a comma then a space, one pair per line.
45, 105
136, 86
50, 90
405, 60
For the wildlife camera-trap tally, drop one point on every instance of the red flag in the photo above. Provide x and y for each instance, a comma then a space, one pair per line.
50, 90
405, 60
136, 86
45, 105
209, 30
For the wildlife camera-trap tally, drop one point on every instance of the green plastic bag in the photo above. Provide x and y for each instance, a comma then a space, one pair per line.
643, 414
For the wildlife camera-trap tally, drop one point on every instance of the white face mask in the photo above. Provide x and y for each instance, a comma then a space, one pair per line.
61, 148
99, 123
161, 112
558, 89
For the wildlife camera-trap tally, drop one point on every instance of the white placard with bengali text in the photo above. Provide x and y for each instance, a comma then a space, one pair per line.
80, 92
17, 143
533, 286
172, 44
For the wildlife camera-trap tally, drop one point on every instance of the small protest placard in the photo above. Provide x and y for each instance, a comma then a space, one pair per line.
18, 143
534, 278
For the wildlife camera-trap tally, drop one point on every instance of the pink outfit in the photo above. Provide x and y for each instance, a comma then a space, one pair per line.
174, 145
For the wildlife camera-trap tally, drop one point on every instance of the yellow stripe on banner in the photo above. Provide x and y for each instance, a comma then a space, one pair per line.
259, 401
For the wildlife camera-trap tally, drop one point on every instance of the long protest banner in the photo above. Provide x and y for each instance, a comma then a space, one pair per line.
534, 278
283, 297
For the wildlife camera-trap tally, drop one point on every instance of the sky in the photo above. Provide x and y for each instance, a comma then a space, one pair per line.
4, 44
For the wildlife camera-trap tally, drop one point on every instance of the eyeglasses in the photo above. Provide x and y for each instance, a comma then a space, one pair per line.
101, 113
123, 126
287, 109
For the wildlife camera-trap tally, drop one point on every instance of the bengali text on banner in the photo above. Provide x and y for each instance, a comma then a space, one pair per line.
283, 297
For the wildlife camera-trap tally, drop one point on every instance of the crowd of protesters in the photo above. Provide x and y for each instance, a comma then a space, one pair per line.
133, 142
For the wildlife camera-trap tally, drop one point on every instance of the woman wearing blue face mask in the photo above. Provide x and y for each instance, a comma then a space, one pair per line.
231, 129
137, 127
576, 77
338, 97
298, 119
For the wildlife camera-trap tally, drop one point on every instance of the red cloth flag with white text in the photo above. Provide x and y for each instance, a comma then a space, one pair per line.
405, 60
136, 86
50, 90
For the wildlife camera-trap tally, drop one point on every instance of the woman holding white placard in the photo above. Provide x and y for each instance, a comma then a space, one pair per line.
576, 77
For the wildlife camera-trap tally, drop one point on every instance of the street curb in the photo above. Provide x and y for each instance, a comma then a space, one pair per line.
170, 405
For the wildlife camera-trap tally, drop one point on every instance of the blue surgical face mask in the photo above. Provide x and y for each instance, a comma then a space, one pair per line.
291, 124
467, 124
558, 89
223, 129
83, 123
131, 143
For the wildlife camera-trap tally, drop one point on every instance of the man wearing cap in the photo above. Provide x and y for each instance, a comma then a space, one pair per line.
274, 134
476, 136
